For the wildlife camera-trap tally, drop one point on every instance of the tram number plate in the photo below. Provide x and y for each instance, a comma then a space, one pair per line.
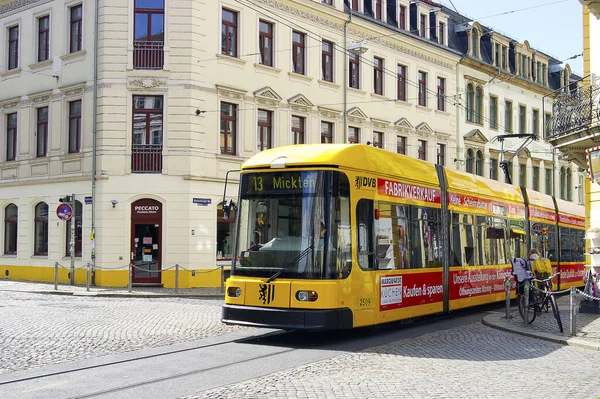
365, 302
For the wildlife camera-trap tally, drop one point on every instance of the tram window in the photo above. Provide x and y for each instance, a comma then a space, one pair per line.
386, 229
464, 251
455, 247
572, 242
494, 248
365, 218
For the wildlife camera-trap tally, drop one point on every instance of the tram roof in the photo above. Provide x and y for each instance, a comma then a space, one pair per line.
477, 185
347, 156
570, 208
540, 199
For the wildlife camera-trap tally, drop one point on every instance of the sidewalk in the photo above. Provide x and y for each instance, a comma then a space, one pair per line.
545, 326
123, 292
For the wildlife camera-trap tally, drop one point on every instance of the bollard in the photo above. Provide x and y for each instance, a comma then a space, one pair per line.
222, 279
87, 277
507, 285
130, 275
526, 306
176, 278
56, 275
573, 317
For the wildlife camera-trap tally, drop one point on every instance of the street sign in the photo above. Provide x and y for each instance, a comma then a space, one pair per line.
88, 200
64, 211
202, 201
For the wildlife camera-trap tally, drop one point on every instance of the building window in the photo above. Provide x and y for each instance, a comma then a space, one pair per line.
423, 25
479, 163
43, 52
504, 50
298, 52
11, 137
474, 43
77, 211
401, 73
328, 2
378, 75
298, 123
547, 125
13, 47
76, 32
569, 196
354, 71
535, 120
402, 17
494, 169
229, 28
441, 94
42, 132
493, 112
40, 246
355, 5
441, 33
508, 116
470, 101
422, 150
326, 132
497, 54
146, 149
353, 135
522, 118
378, 139
11, 221
536, 178
228, 128
522, 175
265, 43
327, 60
149, 34
469, 161
378, 9
478, 104
265, 130
74, 126
401, 145
422, 88
441, 154
544, 76
548, 176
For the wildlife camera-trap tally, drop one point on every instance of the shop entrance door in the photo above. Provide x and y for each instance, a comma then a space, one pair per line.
146, 234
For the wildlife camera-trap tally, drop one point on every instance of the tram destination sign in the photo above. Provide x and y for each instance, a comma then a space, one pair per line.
280, 183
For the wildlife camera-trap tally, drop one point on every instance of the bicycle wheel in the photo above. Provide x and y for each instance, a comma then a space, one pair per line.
531, 314
556, 312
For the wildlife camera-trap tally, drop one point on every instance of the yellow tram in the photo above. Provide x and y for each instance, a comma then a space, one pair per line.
342, 236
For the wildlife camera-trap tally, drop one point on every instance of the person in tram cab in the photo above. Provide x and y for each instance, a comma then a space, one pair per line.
540, 267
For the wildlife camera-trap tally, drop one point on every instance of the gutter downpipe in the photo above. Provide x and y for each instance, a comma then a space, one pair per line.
346, 75
94, 136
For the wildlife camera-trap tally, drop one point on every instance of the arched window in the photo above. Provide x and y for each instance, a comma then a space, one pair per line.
41, 230
479, 163
469, 161
11, 219
78, 232
563, 182
478, 104
470, 95
569, 196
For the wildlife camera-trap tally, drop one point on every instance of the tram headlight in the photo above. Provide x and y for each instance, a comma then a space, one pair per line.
307, 296
234, 292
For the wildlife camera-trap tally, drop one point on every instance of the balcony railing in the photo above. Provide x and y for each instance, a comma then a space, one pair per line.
576, 111
148, 55
146, 158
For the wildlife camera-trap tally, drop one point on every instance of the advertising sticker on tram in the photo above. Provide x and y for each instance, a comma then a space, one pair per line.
400, 291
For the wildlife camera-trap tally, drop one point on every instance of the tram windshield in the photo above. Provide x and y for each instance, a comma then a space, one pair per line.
294, 223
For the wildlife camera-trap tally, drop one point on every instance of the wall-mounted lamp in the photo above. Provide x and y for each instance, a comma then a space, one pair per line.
459, 161
199, 111
114, 203
357, 48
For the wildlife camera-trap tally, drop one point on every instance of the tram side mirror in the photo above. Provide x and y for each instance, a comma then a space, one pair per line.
227, 205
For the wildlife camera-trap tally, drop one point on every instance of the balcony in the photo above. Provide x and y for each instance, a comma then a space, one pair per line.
148, 55
576, 123
146, 158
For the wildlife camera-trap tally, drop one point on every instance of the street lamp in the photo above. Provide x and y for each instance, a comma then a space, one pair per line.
592, 157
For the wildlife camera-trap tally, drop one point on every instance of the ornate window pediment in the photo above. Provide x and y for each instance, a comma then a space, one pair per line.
403, 125
356, 115
267, 96
379, 123
423, 129
476, 137
300, 103
328, 112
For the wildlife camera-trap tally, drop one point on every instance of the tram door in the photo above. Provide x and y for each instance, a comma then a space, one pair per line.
146, 234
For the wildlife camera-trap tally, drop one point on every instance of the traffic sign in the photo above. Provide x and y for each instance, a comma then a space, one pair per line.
64, 211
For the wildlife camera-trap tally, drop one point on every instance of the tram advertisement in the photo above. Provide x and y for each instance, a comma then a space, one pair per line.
471, 282
404, 290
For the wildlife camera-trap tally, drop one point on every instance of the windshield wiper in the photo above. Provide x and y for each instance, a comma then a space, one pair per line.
291, 263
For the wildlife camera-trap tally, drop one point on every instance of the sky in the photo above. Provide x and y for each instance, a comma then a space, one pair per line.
554, 27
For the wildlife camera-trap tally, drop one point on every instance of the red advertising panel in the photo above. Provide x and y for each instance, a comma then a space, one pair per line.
573, 221
572, 273
408, 191
477, 281
404, 290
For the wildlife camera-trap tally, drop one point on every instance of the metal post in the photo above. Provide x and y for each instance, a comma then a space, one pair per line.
526, 306
573, 316
87, 277
56, 275
222, 279
176, 278
130, 275
507, 285
72, 243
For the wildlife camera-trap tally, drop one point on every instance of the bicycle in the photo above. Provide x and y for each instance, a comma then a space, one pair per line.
540, 300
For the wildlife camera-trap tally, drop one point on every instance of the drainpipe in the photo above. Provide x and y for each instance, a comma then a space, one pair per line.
346, 75
94, 121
